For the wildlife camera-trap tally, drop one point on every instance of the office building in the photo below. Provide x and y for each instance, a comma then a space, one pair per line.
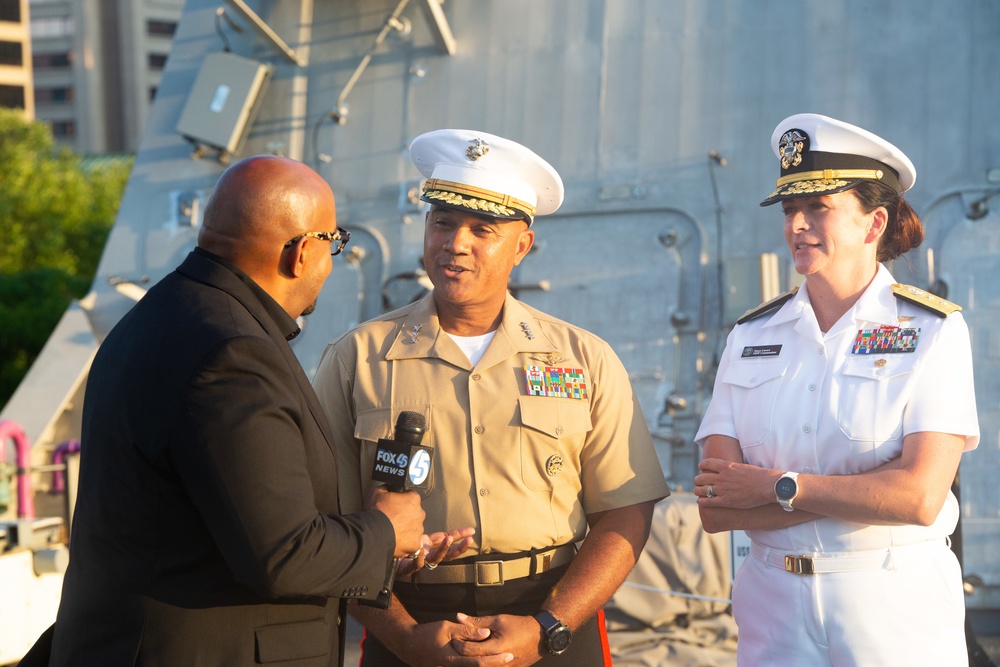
97, 65
16, 90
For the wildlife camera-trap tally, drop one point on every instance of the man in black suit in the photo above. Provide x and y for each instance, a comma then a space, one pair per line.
207, 528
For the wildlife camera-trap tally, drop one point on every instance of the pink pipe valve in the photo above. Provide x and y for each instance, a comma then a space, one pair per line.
10, 430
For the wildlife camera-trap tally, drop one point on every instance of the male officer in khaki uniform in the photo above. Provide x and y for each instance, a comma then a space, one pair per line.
536, 431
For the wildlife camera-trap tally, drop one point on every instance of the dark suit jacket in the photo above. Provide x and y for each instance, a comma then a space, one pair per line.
206, 529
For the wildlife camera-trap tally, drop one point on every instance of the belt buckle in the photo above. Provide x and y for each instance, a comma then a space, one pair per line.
480, 572
799, 565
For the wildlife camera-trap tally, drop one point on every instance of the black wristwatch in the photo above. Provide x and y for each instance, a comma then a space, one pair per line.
557, 635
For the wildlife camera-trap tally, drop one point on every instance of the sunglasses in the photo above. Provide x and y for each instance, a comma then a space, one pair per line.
338, 239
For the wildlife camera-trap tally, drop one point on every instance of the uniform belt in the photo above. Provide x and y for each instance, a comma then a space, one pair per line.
819, 563
496, 572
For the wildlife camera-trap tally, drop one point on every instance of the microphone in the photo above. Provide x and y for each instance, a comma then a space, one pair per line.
402, 463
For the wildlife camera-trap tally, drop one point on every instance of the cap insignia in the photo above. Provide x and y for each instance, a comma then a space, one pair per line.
478, 149
791, 146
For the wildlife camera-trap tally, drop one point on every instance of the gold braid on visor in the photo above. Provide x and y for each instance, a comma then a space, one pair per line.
476, 199
831, 174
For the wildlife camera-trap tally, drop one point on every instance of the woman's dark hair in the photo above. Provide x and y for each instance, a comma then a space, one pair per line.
904, 229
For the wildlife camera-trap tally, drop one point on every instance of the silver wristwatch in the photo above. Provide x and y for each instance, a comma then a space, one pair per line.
785, 490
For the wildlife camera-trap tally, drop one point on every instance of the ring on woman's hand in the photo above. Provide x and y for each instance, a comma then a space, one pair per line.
711, 492
430, 566
416, 554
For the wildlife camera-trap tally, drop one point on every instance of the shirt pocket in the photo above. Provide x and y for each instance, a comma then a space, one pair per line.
552, 435
873, 397
754, 388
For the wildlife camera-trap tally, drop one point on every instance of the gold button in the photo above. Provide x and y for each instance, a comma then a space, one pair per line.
483, 492
479, 429
477, 377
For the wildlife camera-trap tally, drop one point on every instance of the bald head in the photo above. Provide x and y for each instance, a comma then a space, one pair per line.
259, 204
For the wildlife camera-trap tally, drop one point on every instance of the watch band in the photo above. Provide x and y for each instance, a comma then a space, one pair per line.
557, 635
547, 621
786, 502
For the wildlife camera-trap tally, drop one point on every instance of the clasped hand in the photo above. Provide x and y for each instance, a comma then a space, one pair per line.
485, 641
734, 485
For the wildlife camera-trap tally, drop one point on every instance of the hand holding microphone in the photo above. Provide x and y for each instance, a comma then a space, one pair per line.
403, 465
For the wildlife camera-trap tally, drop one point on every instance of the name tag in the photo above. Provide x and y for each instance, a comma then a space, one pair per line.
751, 351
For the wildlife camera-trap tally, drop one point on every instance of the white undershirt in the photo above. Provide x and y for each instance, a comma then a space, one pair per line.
473, 346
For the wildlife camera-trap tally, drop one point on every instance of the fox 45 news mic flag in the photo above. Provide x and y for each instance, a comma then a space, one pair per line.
402, 463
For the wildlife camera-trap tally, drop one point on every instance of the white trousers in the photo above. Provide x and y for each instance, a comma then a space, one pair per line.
909, 613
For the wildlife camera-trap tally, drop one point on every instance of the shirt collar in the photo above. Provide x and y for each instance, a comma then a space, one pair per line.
288, 327
420, 336
876, 304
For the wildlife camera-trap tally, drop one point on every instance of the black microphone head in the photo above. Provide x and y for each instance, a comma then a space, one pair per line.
410, 427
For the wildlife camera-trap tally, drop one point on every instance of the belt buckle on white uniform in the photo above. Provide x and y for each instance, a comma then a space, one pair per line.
820, 563
799, 564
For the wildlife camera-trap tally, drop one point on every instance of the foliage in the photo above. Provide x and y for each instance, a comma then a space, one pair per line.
55, 216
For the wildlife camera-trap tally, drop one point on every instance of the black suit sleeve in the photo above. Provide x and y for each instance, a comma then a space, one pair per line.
255, 463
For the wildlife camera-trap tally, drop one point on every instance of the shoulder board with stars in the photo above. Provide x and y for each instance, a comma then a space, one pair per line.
767, 306
925, 300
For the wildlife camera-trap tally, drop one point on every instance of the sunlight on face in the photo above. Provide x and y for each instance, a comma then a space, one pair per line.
469, 257
827, 234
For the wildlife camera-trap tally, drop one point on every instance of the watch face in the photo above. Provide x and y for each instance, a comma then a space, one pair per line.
785, 488
559, 640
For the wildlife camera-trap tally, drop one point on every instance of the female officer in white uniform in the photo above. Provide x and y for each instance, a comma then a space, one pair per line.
839, 415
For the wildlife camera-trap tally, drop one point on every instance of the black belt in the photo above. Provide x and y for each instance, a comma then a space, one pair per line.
495, 572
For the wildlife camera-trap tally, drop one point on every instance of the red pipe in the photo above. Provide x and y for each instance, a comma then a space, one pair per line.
10, 430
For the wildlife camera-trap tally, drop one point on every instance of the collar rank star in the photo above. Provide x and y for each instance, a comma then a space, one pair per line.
557, 382
414, 333
886, 339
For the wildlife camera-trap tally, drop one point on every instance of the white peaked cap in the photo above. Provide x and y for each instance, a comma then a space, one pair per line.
485, 174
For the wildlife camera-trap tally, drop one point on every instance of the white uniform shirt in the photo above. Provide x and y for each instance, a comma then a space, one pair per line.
804, 401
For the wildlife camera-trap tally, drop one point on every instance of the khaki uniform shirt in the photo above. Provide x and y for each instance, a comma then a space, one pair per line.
524, 469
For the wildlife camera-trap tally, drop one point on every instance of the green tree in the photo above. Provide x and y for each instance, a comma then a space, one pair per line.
55, 215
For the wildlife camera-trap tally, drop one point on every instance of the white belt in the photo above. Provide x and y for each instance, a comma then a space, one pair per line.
820, 563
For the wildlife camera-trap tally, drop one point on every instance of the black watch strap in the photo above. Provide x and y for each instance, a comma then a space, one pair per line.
557, 634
